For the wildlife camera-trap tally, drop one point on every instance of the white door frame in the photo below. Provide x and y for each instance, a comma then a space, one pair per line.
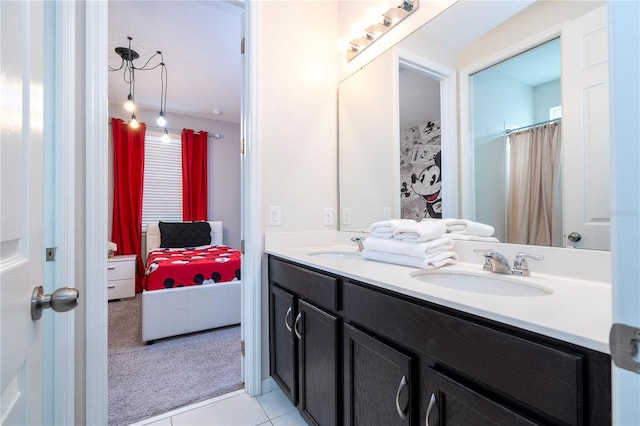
96, 135
466, 165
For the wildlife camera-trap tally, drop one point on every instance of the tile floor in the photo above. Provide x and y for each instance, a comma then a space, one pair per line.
234, 409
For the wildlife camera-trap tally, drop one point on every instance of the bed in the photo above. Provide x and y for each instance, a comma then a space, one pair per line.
172, 306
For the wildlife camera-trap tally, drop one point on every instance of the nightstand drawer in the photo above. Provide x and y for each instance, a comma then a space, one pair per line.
120, 289
121, 269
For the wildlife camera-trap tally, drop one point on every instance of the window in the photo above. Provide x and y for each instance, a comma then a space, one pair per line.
162, 193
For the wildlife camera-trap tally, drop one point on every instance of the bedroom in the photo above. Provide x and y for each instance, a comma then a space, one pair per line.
201, 50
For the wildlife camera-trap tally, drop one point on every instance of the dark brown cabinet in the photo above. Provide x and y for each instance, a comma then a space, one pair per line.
369, 356
378, 381
304, 340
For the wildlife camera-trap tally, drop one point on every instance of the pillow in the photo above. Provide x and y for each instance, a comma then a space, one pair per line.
184, 234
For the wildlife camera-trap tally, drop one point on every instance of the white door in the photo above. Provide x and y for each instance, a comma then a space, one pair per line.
585, 131
26, 384
625, 247
22, 254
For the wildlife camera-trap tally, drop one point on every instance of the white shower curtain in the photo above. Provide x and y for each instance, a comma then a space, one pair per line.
535, 207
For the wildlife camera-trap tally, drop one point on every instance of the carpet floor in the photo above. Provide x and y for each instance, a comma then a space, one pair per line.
148, 380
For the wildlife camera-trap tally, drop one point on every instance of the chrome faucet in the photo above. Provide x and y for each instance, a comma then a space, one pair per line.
498, 263
359, 241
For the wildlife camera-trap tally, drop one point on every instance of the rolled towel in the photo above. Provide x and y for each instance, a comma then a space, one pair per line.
385, 228
427, 262
473, 238
466, 227
420, 231
408, 248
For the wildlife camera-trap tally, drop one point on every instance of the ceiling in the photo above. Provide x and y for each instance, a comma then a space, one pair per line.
200, 42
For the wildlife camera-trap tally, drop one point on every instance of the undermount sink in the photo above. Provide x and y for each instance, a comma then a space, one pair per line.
337, 254
500, 285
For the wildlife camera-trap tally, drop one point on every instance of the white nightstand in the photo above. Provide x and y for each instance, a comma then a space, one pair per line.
121, 276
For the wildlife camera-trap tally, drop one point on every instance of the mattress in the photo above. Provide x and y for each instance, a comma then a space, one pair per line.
182, 267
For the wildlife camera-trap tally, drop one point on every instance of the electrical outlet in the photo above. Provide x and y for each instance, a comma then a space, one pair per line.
328, 216
275, 216
386, 213
346, 216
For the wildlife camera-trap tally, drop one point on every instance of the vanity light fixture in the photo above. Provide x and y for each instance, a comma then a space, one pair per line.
129, 55
387, 20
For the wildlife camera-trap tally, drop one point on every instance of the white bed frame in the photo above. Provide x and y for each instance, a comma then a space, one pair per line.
182, 310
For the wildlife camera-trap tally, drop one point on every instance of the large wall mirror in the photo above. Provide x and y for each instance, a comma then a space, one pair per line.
404, 88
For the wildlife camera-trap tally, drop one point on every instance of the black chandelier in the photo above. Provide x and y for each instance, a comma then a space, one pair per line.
129, 55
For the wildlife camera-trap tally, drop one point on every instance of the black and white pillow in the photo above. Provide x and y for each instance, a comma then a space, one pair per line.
184, 234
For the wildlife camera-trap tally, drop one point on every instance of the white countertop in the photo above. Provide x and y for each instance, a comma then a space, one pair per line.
578, 311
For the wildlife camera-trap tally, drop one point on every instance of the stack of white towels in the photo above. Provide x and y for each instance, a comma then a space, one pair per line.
406, 242
462, 229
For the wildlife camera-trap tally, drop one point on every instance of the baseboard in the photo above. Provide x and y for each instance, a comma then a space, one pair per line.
269, 385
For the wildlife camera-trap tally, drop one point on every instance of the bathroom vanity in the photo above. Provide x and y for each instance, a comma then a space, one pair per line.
349, 348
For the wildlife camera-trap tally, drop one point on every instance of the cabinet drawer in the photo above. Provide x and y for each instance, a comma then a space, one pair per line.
320, 289
120, 289
119, 270
537, 375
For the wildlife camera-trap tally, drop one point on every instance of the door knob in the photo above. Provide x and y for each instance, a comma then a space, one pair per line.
574, 237
62, 300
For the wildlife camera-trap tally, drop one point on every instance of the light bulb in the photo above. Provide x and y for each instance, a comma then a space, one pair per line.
165, 137
133, 123
129, 105
161, 120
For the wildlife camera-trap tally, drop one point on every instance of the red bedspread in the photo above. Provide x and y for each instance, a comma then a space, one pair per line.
169, 268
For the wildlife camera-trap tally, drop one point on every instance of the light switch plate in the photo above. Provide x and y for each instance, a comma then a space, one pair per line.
275, 215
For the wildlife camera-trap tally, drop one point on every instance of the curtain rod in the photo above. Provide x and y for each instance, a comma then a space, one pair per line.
532, 125
178, 132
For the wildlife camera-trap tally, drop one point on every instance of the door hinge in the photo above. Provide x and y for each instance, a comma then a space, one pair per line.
242, 347
50, 254
624, 344
242, 246
242, 46
242, 148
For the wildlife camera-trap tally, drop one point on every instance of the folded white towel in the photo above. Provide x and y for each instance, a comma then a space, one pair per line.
466, 227
385, 228
420, 231
408, 248
427, 262
474, 238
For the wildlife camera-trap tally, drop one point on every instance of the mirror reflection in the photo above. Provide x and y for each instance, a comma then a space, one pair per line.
490, 33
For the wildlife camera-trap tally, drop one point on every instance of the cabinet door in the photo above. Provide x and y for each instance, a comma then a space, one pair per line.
452, 403
377, 382
282, 343
317, 332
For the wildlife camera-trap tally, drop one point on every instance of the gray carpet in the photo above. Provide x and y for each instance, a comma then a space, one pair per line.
148, 380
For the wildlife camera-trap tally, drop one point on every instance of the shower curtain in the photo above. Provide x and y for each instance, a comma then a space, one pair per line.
535, 207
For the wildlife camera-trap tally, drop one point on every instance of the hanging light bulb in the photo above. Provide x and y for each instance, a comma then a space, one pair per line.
161, 120
134, 122
129, 105
165, 137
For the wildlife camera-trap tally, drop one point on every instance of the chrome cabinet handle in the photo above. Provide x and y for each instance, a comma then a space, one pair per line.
295, 325
286, 322
402, 385
432, 403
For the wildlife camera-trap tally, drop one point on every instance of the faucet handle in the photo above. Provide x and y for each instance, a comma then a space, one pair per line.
487, 253
520, 266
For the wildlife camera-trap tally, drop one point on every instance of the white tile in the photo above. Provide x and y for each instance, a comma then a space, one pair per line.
292, 419
240, 410
266, 424
275, 403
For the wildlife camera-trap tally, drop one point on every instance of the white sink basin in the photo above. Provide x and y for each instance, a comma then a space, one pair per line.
337, 254
500, 285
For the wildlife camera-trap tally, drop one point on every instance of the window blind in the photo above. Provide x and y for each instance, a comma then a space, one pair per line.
162, 196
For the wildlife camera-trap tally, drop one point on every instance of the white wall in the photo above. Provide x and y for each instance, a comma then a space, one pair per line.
297, 110
224, 164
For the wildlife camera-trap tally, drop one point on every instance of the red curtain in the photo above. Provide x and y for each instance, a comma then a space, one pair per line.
194, 175
128, 172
